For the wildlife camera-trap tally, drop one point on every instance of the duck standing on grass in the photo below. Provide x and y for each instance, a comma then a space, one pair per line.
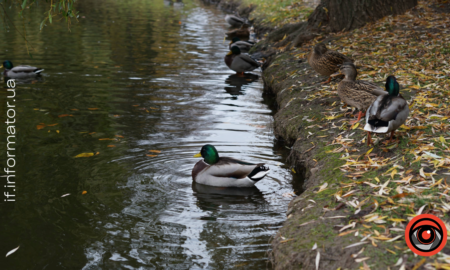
326, 62
224, 171
388, 112
357, 93
239, 62
19, 71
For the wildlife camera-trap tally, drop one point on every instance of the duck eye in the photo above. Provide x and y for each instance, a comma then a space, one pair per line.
426, 235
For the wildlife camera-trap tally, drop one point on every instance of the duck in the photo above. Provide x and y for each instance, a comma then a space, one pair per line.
242, 32
357, 93
239, 62
326, 62
235, 21
217, 171
19, 71
244, 46
388, 112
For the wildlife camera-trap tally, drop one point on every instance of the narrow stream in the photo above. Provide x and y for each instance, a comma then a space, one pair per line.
142, 86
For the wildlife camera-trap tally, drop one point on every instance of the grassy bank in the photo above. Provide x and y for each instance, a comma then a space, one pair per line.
355, 194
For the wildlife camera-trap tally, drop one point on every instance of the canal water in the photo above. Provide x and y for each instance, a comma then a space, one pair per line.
135, 89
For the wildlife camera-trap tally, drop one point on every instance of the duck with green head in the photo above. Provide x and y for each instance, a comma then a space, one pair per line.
19, 71
388, 112
239, 62
224, 171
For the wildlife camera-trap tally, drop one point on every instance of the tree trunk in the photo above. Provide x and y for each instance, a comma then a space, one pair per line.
338, 15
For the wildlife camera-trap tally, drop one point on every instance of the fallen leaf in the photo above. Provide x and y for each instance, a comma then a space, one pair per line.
84, 155
65, 195
154, 151
111, 145
84, 192
12, 251
40, 126
151, 155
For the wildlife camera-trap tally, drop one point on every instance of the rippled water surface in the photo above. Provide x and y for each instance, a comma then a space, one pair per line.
142, 85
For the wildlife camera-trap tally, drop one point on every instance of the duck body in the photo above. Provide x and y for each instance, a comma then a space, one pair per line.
244, 46
239, 62
357, 93
20, 71
388, 112
240, 33
324, 61
235, 21
226, 172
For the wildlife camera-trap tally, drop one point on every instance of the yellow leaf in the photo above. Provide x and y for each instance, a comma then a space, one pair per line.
41, 126
368, 152
293, 170
397, 219
84, 155
378, 180
355, 126
57, 131
84, 192
151, 155
393, 173
154, 151
442, 139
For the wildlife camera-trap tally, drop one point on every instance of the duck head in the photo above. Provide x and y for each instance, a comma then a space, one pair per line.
349, 70
209, 154
7, 64
392, 86
320, 49
234, 50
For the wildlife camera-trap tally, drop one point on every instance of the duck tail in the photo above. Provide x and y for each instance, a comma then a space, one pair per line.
259, 172
39, 70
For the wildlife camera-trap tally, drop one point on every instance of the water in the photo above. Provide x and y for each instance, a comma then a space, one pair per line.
131, 77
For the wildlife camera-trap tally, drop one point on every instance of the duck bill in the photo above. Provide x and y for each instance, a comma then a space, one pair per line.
198, 155
230, 53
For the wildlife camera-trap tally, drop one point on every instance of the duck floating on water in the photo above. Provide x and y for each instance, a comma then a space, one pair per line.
224, 171
19, 71
388, 112
235, 21
244, 46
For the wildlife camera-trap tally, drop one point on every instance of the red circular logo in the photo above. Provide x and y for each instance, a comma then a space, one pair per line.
426, 235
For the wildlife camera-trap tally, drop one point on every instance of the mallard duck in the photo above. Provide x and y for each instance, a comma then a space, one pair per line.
356, 93
19, 71
240, 33
388, 112
244, 46
235, 21
326, 62
224, 171
240, 62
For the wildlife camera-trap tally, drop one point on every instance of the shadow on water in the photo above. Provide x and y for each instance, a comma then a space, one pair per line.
236, 82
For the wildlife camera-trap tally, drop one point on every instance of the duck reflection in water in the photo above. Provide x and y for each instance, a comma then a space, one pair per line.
212, 198
236, 82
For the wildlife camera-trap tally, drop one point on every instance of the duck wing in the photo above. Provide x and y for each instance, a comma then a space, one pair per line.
370, 87
243, 62
234, 168
26, 69
387, 113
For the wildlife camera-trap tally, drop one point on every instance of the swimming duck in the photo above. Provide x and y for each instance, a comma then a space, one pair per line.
235, 21
357, 93
244, 46
326, 62
224, 171
239, 62
388, 112
19, 71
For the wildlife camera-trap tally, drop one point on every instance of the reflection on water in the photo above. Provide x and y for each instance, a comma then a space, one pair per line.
143, 85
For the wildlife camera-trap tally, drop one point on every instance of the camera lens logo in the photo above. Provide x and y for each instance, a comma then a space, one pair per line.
426, 235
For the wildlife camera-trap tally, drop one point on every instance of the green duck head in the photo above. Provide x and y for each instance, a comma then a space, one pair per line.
7, 64
392, 86
235, 50
320, 49
209, 154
